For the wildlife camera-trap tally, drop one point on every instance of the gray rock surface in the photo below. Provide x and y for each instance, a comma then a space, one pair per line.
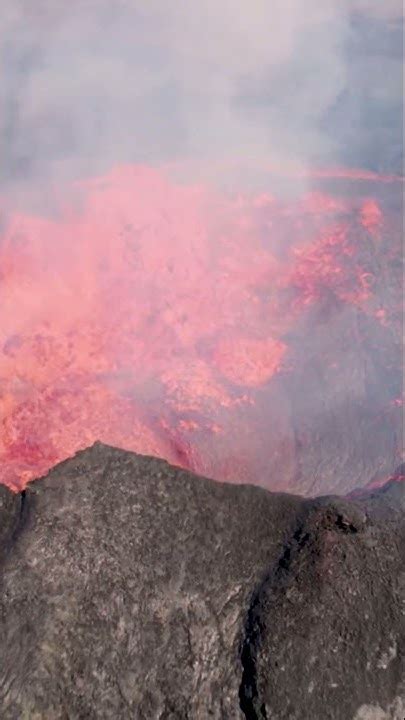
132, 589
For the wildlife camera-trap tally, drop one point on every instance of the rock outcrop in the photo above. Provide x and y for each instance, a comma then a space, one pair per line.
133, 589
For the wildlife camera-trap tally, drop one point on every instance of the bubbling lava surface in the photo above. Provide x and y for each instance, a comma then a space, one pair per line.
248, 337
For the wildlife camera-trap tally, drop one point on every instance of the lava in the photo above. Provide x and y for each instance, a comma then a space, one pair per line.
175, 320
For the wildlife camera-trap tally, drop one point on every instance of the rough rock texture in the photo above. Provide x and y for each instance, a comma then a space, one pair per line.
132, 589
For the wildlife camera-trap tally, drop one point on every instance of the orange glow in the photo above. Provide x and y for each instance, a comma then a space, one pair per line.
150, 314
371, 216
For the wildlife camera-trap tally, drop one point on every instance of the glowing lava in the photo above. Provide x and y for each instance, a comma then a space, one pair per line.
163, 318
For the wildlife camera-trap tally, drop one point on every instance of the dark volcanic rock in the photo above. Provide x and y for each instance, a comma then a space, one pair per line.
132, 589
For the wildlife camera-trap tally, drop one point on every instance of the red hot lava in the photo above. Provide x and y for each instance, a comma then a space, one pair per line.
222, 332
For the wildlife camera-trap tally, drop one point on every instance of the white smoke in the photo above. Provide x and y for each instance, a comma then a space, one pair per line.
91, 83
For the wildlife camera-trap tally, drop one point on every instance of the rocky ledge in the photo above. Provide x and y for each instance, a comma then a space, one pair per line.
133, 589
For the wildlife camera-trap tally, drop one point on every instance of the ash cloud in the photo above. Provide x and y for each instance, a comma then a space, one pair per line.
92, 83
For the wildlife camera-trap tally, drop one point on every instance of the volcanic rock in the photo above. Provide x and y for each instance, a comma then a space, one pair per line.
133, 589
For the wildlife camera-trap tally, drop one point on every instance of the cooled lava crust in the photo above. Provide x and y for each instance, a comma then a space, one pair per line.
134, 589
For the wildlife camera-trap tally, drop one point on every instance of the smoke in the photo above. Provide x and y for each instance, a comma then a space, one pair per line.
93, 83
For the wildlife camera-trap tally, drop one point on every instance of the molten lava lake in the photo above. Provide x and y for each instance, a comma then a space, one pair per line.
251, 337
